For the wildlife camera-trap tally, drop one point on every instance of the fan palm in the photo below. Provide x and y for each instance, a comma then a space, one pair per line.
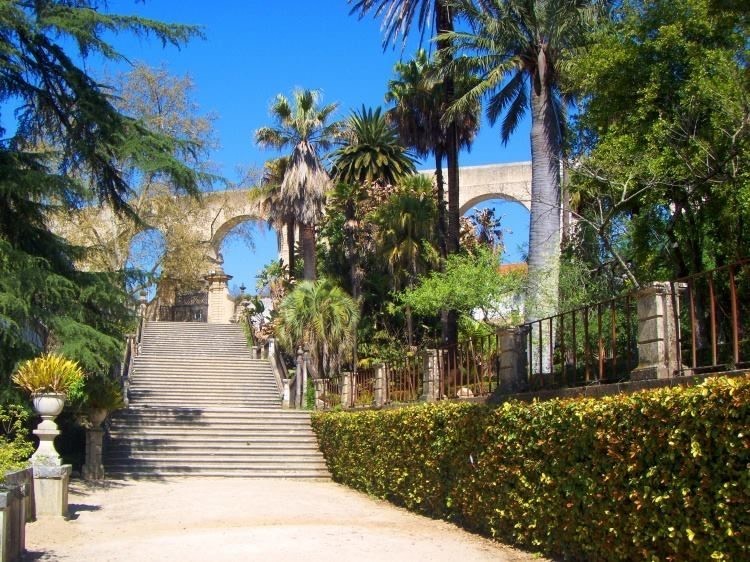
268, 197
302, 125
371, 151
322, 317
517, 48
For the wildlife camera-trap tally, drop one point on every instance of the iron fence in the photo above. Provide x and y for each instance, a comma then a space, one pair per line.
594, 344
405, 379
709, 312
470, 368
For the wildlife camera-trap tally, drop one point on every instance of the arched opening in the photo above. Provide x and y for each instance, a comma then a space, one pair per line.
513, 219
144, 263
247, 246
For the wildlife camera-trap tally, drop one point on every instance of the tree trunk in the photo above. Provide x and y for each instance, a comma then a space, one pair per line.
453, 190
444, 22
290, 228
307, 233
544, 228
441, 226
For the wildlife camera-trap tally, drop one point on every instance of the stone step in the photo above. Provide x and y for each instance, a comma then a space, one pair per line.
200, 461
158, 472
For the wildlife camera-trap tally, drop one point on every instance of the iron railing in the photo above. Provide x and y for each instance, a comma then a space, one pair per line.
709, 313
593, 344
405, 379
704, 328
469, 368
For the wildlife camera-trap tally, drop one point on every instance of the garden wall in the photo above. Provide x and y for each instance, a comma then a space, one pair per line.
656, 475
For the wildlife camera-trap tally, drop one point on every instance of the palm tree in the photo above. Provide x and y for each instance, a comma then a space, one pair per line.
268, 197
302, 125
517, 47
321, 317
398, 17
371, 152
405, 225
419, 120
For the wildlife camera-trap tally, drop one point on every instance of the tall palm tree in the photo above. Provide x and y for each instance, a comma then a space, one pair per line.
371, 151
517, 47
268, 197
418, 117
398, 17
302, 125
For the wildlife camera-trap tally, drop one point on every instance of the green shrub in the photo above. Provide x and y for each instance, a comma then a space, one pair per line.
657, 475
15, 447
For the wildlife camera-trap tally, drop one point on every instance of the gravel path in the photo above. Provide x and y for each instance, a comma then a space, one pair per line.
213, 519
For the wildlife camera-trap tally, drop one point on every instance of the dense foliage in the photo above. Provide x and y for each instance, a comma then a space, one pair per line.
656, 475
660, 180
69, 144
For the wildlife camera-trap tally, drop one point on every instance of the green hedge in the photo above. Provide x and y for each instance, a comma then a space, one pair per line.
656, 475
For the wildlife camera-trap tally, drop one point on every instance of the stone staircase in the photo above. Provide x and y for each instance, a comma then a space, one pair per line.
200, 404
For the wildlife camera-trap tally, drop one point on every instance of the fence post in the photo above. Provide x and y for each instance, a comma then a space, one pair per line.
380, 386
346, 390
658, 335
431, 375
513, 368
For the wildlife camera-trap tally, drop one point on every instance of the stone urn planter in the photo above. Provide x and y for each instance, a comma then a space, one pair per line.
97, 416
48, 405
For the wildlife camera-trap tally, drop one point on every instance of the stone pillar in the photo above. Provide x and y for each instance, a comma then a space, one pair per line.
431, 375
51, 489
286, 396
513, 368
320, 394
346, 390
381, 386
220, 306
93, 469
657, 332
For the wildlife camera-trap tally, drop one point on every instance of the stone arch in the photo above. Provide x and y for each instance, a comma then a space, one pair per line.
510, 182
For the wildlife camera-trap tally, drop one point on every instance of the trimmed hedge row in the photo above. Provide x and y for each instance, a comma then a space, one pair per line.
657, 475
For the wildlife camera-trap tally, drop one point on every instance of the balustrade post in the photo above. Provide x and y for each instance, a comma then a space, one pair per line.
513, 369
346, 390
380, 386
658, 332
431, 375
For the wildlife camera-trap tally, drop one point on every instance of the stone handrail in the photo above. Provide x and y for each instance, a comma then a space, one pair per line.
277, 366
132, 350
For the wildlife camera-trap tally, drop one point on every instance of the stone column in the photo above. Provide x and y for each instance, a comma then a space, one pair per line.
381, 386
513, 371
51, 489
93, 469
346, 390
220, 306
657, 332
431, 375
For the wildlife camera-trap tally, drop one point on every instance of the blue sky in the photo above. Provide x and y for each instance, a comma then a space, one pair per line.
255, 49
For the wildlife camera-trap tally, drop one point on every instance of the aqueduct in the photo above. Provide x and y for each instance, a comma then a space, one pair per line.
478, 183
219, 212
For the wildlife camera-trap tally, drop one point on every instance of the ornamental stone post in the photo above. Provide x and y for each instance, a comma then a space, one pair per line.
513, 368
380, 386
346, 389
431, 375
658, 335
220, 306
93, 469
